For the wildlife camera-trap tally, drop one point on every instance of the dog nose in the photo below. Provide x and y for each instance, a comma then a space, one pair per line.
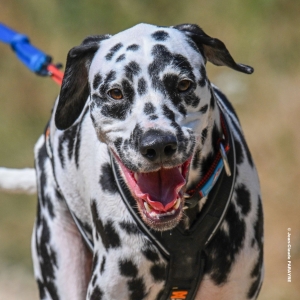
157, 145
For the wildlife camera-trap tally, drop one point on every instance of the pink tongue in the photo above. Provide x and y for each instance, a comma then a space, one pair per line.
160, 188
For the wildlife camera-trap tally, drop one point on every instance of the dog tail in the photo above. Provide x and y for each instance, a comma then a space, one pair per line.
18, 180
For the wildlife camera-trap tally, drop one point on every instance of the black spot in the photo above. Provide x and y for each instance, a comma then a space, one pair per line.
128, 268
168, 113
135, 137
96, 294
52, 289
118, 142
202, 81
243, 199
120, 58
126, 145
249, 157
133, 47
255, 288
160, 35
110, 76
149, 108
191, 99
222, 250
153, 117
238, 152
97, 81
142, 87
50, 207
78, 137
67, 138
60, 152
109, 236
41, 161
113, 50
212, 100
118, 145
203, 109
258, 227
116, 110
204, 135
59, 196
132, 69
170, 82
128, 90
196, 160
256, 270
215, 137
137, 290
94, 280
102, 265
130, 228
107, 180
95, 262
113, 237
49, 261
182, 109
158, 271
42, 290
150, 254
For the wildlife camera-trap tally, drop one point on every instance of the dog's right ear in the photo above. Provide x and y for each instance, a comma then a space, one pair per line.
75, 88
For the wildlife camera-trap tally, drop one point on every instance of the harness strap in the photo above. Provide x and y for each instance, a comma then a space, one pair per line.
185, 249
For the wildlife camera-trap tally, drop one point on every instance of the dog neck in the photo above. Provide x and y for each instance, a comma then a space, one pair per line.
210, 135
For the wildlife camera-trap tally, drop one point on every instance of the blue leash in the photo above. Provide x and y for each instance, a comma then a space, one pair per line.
33, 58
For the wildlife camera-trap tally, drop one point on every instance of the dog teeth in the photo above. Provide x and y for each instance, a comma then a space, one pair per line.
135, 176
177, 203
180, 169
148, 208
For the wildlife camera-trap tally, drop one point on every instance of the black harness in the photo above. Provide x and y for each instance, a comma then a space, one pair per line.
183, 249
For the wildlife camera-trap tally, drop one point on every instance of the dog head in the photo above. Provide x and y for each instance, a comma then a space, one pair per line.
149, 101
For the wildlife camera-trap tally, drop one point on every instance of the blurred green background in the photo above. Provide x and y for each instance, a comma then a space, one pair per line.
264, 34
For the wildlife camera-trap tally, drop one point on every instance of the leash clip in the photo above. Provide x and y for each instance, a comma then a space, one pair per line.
225, 160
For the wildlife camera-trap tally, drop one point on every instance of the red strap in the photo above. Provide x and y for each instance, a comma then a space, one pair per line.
55, 73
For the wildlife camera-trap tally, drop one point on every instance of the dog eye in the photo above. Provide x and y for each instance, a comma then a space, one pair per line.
183, 85
115, 94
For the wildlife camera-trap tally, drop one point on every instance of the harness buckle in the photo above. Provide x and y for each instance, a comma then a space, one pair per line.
225, 160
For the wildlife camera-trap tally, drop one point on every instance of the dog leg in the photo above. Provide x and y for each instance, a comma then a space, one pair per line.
62, 263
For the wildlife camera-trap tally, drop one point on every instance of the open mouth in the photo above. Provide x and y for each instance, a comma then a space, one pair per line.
159, 194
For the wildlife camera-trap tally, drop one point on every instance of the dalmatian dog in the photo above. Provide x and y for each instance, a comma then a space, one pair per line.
141, 99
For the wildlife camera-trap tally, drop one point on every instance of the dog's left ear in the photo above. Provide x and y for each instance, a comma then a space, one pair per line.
74, 91
214, 50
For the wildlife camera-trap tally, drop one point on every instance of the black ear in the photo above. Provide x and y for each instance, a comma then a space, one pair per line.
75, 89
214, 50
